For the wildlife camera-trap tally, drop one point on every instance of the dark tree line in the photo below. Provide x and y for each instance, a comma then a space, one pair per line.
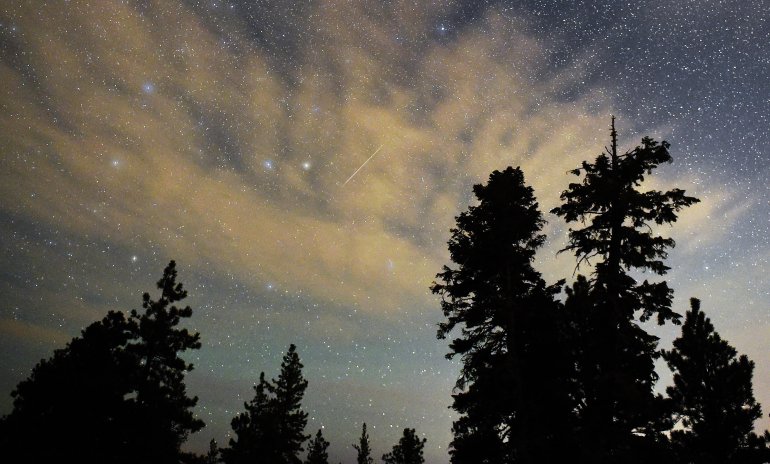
116, 394
545, 380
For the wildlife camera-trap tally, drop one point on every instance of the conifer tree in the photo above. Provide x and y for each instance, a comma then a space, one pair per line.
121, 384
254, 430
713, 397
289, 389
363, 449
620, 415
407, 451
213, 455
163, 416
271, 430
512, 397
317, 450
78, 392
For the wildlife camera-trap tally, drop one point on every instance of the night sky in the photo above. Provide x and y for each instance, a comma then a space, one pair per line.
228, 135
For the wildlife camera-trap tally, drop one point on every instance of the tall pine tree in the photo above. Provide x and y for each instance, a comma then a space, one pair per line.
512, 397
163, 412
289, 389
713, 397
363, 449
620, 417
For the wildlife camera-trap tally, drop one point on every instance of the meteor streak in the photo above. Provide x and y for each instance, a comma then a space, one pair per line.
367, 160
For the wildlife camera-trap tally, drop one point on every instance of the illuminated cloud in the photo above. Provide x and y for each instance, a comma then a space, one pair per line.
211, 144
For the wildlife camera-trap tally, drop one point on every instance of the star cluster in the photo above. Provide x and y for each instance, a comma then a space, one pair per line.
303, 163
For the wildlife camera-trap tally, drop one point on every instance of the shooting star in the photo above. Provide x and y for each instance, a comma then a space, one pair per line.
361, 167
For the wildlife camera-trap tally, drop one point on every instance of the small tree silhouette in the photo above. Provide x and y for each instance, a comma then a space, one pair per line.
363, 449
214, 453
713, 397
407, 451
272, 427
317, 450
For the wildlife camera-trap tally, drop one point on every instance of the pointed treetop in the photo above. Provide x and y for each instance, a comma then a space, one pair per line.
318, 450
614, 135
363, 448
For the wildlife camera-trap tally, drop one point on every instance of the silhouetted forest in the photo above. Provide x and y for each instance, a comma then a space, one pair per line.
551, 372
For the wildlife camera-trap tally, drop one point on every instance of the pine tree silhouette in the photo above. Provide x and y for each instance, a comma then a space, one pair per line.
363, 449
77, 392
621, 418
289, 390
103, 385
254, 430
713, 397
407, 451
317, 450
271, 430
163, 412
513, 394
213, 455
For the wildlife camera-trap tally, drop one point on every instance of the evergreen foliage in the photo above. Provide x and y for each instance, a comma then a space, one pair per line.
214, 453
621, 419
121, 384
713, 397
254, 432
317, 450
271, 430
78, 392
407, 451
513, 395
363, 449
163, 417
288, 391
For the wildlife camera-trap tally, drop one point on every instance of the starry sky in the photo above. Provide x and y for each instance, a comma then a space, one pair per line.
303, 162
